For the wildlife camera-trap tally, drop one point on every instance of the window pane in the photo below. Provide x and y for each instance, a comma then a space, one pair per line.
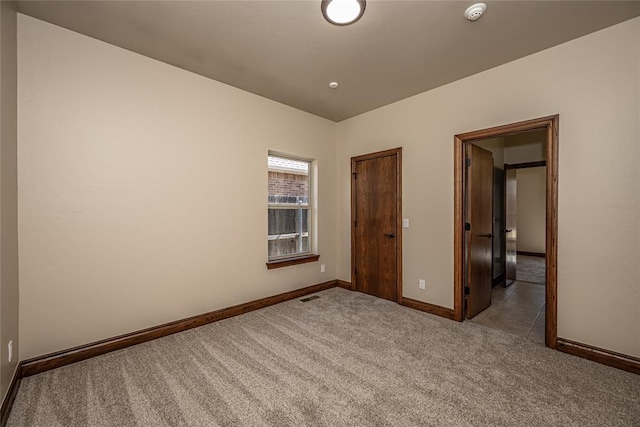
288, 181
288, 232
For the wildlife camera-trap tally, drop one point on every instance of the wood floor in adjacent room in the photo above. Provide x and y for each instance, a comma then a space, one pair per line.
344, 359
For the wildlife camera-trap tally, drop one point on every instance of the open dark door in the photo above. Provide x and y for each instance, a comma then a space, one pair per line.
511, 224
479, 238
376, 233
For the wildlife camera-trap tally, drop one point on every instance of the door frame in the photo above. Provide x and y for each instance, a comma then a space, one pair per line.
508, 166
551, 125
397, 152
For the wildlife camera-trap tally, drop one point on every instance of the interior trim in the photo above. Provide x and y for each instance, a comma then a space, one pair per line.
551, 125
286, 262
447, 313
65, 357
344, 284
76, 354
10, 397
600, 355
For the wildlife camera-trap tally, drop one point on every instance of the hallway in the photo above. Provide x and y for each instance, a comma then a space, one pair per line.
517, 309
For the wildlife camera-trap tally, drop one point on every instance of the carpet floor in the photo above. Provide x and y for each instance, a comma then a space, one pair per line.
530, 269
345, 359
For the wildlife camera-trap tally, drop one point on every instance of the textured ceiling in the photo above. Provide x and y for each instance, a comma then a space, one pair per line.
286, 51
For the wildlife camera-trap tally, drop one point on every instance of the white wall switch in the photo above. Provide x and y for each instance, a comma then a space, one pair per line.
10, 346
322, 269
405, 223
422, 284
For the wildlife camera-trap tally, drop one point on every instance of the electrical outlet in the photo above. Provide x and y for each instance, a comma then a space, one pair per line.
423, 284
322, 269
405, 223
10, 348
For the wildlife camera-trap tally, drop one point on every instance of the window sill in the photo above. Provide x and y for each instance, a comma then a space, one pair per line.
286, 262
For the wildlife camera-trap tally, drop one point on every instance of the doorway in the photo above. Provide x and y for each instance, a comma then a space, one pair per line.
517, 302
376, 219
474, 237
525, 212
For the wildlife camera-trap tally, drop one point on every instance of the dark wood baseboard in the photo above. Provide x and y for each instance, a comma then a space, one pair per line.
538, 254
344, 284
76, 354
83, 352
10, 397
412, 303
447, 313
600, 355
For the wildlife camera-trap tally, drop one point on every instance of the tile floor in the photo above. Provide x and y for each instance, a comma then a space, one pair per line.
518, 309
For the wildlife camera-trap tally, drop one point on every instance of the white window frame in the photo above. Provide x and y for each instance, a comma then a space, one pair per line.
308, 207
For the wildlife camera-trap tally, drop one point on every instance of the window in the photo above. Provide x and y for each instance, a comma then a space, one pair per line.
289, 207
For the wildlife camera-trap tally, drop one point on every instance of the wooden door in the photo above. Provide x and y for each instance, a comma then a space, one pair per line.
511, 232
479, 236
376, 239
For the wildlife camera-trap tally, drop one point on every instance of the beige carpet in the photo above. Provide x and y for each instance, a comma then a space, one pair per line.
345, 359
530, 269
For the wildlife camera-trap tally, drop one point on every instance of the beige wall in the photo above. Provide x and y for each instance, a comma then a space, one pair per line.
599, 178
8, 196
131, 213
531, 208
143, 191
525, 147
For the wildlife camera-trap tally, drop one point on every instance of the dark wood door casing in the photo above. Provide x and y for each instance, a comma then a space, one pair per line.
376, 220
551, 125
479, 242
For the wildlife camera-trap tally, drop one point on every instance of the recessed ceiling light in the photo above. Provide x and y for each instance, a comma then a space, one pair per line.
342, 12
474, 12
334, 85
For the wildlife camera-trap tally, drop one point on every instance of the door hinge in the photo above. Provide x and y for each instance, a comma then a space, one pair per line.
468, 161
355, 271
467, 226
355, 223
467, 290
355, 175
